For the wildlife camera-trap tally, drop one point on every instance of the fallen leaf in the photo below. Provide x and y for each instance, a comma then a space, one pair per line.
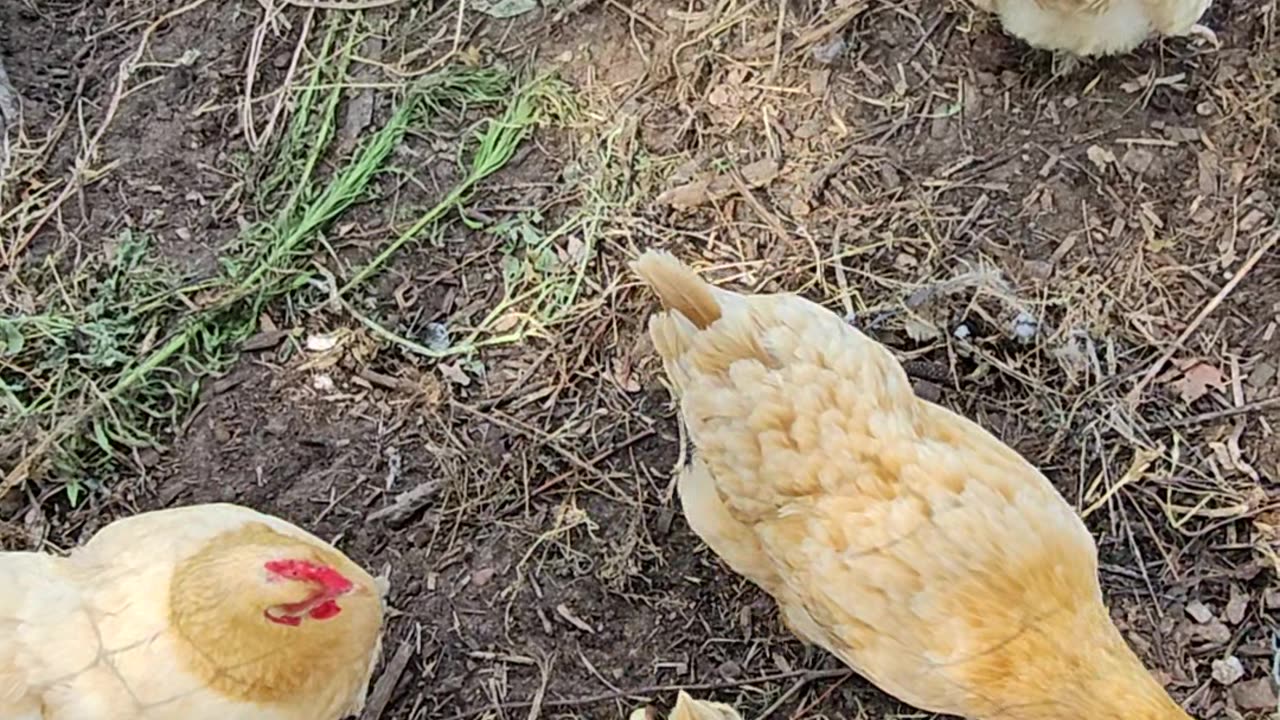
1197, 380
1228, 671
760, 173
1215, 632
1100, 156
11, 337
454, 373
505, 323
1255, 695
689, 195
1236, 606
574, 251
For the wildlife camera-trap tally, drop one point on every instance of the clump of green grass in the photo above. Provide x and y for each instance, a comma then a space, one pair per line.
535, 292
117, 354
544, 268
544, 261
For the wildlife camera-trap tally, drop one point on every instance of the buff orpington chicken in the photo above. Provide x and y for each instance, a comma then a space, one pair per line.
689, 709
895, 534
1098, 27
208, 612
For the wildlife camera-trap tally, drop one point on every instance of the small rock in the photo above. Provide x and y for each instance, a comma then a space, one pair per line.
830, 51
481, 577
1228, 671
1025, 327
1199, 612
1262, 374
760, 173
436, 337
322, 343
928, 391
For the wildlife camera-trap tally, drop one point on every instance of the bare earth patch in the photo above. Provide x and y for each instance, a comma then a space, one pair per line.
1087, 266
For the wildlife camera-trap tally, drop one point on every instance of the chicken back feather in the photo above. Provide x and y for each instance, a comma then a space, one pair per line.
1098, 27
895, 534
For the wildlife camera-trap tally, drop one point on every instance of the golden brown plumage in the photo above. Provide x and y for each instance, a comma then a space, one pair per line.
897, 535
1097, 27
689, 709
207, 612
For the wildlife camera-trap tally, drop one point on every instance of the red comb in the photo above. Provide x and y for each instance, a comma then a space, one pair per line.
325, 610
331, 580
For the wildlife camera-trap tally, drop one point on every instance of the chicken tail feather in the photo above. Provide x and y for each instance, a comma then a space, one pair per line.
678, 287
704, 329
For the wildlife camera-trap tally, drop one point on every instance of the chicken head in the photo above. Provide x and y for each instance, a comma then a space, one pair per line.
254, 603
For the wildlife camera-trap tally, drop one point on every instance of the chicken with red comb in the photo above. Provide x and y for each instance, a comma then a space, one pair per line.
206, 612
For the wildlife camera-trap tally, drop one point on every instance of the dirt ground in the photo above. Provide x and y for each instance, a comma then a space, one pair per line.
1033, 246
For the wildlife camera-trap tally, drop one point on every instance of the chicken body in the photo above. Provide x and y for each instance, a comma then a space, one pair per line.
897, 535
175, 615
1097, 27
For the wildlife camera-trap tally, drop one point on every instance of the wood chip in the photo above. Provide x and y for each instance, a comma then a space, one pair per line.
407, 503
1199, 612
380, 698
264, 340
